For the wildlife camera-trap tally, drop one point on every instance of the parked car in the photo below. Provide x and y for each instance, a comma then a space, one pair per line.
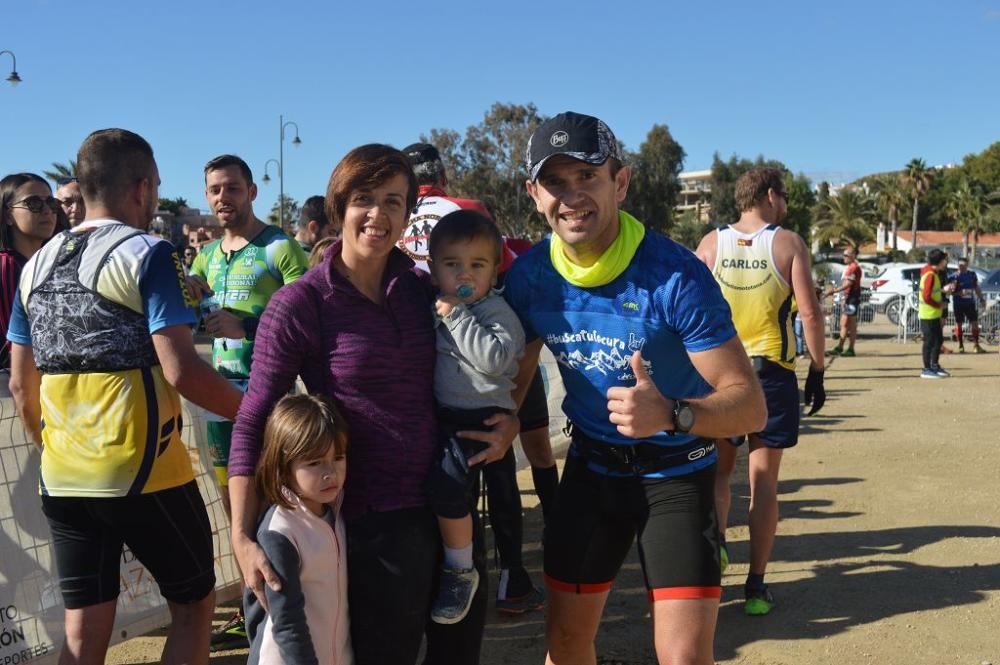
991, 287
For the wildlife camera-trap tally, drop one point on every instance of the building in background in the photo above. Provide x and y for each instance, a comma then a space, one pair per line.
695, 194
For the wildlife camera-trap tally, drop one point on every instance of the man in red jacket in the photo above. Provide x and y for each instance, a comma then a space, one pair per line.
515, 593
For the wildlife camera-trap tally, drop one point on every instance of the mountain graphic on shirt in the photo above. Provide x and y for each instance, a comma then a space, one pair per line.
600, 360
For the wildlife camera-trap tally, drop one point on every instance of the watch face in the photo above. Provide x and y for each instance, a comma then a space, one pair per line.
685, 417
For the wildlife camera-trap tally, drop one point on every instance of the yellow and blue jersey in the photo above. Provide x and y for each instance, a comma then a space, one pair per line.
757, 293
88, 305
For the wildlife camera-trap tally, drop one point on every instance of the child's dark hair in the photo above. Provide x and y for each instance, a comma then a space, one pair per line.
465, 225
299, 427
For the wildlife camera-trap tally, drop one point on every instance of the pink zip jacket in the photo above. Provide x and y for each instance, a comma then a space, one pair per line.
307, 623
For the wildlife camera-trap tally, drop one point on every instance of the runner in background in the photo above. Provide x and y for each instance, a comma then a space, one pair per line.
850, 286
761, 268
235, 277
965, 298
313, 225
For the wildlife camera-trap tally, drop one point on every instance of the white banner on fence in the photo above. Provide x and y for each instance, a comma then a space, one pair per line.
31, 610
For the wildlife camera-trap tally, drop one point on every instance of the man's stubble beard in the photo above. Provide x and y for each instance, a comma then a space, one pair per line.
241, 221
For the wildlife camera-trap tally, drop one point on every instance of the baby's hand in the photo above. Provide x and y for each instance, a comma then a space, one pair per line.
445, 304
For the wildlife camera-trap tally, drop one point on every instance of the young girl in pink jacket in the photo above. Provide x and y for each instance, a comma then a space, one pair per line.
301, 473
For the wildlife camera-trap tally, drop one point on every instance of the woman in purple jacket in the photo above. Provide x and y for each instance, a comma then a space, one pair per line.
358, 327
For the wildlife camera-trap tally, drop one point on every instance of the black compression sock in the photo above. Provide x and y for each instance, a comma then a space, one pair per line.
753, 582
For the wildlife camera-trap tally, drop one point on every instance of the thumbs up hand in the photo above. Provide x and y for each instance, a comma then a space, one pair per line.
640, 411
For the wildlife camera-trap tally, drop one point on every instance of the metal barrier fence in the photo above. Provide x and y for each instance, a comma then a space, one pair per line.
31, 609
989, 321
833, 307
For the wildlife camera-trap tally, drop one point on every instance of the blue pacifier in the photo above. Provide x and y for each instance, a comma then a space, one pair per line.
464, 291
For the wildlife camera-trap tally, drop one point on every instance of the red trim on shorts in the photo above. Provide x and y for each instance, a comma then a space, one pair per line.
685, 593
569, 587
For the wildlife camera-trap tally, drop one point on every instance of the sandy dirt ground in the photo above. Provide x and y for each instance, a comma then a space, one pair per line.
888, 549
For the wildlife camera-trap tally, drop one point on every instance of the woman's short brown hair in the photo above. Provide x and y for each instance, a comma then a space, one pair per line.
367, 167
299, 427
753, 185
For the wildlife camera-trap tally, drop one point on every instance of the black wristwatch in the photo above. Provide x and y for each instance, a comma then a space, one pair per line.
683, 416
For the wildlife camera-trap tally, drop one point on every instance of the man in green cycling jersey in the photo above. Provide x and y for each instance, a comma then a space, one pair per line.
237, 275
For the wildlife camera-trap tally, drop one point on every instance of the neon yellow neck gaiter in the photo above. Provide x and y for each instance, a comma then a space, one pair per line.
613, 261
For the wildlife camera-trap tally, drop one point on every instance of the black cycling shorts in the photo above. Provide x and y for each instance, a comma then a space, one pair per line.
597, 518
966, 311
534, 412
167, 531
781, 391
852, 305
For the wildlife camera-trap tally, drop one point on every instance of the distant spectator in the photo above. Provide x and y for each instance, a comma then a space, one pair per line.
189, 253
932, 303
850, 286
313, 224
28, 214
71, 200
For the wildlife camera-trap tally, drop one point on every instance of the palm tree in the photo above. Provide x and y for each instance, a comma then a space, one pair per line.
60, 171
846, 219
890, 197
917, 178
970, 209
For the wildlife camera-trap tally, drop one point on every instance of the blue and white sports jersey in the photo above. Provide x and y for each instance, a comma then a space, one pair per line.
965, 287
665, 304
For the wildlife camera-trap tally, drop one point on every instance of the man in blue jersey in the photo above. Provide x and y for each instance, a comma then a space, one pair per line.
966, 297
653, 372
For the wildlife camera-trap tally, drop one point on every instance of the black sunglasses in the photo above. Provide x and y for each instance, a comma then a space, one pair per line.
37, 204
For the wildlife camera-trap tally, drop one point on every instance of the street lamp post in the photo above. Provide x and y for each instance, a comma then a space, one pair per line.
281, 166
13, 79
266, 177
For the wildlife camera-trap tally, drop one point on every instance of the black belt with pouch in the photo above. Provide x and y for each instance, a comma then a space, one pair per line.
639, 458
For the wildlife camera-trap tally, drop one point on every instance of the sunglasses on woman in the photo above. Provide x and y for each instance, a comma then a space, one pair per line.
37, 204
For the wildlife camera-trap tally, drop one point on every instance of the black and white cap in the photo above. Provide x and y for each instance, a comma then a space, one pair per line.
575, 135
418, 153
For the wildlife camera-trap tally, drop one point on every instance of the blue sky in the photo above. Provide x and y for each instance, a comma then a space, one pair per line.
835, 90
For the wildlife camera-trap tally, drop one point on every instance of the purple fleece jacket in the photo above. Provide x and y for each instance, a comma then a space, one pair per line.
376, 361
